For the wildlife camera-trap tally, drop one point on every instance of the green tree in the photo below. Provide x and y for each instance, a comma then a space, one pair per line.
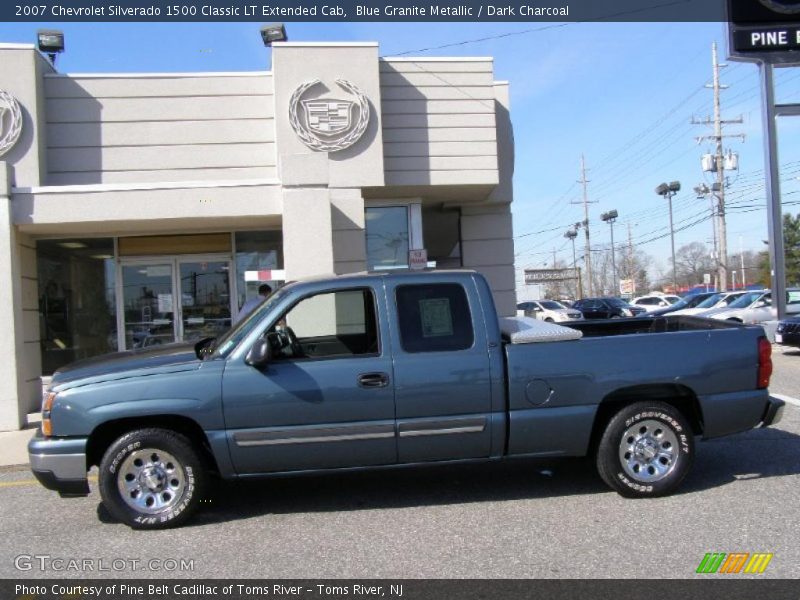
791, 248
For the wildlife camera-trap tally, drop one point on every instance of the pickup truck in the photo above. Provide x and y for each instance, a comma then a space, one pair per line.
396, 369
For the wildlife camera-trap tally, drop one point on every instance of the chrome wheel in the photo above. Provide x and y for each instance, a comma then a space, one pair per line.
648, 450
150, 480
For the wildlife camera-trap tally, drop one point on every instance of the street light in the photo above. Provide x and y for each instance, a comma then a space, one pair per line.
667, 190
609, 217
571, 234
274, 32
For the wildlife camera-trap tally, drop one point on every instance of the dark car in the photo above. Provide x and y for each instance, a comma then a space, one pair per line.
788, 332
687, 302
607, 308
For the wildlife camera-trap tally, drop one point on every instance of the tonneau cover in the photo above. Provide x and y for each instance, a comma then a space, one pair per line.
527, 330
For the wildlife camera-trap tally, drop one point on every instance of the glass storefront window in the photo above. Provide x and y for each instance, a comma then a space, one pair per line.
387, 237
77, 306
441, 230
256, 251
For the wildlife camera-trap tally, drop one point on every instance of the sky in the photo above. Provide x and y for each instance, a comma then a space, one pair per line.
621, 94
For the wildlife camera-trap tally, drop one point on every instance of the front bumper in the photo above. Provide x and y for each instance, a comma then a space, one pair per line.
59, 464
773, 413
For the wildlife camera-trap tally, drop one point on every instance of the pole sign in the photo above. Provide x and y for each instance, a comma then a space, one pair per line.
545, 275
764, 30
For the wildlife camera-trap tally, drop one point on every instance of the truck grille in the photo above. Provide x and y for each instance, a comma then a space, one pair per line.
788, 327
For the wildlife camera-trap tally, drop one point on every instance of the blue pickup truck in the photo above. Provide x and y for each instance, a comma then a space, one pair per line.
396, 369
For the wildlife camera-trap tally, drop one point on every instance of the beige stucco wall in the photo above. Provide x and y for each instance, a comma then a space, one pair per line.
21, 74
139, 128
294, 64
20, 364
487, 245
439, 123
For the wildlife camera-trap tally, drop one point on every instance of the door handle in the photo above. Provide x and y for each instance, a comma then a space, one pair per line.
373, 380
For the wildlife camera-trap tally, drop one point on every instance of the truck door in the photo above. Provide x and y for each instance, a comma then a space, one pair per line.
326, 398
441, 370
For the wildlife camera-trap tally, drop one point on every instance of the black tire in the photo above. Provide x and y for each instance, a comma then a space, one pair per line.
549, 320
167, 460
649, 460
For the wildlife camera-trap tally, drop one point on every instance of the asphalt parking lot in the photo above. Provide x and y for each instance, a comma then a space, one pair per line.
516, 519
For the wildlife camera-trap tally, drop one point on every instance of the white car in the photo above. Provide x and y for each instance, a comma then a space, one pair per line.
655, 301
756, 307
549, 310
718, 301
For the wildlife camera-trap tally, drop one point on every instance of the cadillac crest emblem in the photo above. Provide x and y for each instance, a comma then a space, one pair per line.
329, 124
786, 7
10, 122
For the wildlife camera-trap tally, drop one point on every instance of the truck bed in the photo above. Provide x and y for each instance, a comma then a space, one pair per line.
644, 324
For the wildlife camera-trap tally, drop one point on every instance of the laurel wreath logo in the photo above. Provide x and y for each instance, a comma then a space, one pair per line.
10, 113
786, 7
313, 141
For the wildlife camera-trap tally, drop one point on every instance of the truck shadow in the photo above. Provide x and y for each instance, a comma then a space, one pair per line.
757, 454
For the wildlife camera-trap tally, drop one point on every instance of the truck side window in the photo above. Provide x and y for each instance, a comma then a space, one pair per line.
331, 324
434, 318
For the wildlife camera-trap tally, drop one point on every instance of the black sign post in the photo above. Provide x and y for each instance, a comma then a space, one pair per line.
768, 32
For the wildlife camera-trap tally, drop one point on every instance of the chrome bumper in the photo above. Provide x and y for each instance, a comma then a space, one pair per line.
59, 464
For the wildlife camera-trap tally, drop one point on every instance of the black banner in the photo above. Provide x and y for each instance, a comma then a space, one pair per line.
543, 11
706, 587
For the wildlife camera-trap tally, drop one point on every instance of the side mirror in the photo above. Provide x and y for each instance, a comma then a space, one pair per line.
260, 354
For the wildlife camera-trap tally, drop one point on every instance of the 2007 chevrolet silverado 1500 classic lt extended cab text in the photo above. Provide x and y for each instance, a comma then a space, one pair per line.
379, 370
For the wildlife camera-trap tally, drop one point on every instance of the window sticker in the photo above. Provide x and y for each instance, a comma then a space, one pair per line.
437, 320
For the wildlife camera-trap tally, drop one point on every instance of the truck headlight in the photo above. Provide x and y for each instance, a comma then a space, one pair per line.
47, 406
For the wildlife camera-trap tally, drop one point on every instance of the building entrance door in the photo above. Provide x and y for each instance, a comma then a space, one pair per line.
169, 299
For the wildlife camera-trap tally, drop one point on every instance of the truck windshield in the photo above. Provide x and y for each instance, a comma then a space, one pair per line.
231, 338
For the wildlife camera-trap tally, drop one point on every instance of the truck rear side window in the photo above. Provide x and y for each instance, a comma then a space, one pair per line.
434, 318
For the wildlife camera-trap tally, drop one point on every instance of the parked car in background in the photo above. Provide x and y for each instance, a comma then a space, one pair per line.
549, 310
653, 302
717, 300
744, 301
607, 308
788, 332
686, 302
759, 308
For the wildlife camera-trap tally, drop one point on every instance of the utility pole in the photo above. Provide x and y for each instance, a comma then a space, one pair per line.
741, 258
631, 274
588, 251
719, 166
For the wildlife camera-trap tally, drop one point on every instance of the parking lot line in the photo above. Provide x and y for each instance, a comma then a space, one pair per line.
7, 484
787, 399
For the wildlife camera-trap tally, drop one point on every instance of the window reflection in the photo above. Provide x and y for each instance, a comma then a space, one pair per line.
77, 307
387, 237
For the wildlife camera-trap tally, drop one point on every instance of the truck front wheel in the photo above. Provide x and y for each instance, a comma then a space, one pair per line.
646, 450
151, 478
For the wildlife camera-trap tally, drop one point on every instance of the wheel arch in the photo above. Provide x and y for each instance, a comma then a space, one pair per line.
681, 397
104, 435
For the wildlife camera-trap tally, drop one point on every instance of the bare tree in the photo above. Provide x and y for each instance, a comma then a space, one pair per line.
692, 261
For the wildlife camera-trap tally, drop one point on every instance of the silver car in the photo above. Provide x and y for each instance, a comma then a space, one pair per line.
756, 307
550, 311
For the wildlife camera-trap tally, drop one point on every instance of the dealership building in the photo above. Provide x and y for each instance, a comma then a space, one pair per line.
145, 208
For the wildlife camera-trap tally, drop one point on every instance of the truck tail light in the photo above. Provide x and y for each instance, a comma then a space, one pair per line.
764, 362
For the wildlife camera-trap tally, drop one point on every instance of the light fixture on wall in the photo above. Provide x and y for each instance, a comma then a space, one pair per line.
51, 42
274, 32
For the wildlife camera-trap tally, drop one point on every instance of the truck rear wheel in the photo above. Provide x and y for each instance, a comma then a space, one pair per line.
646, 450
151, 478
